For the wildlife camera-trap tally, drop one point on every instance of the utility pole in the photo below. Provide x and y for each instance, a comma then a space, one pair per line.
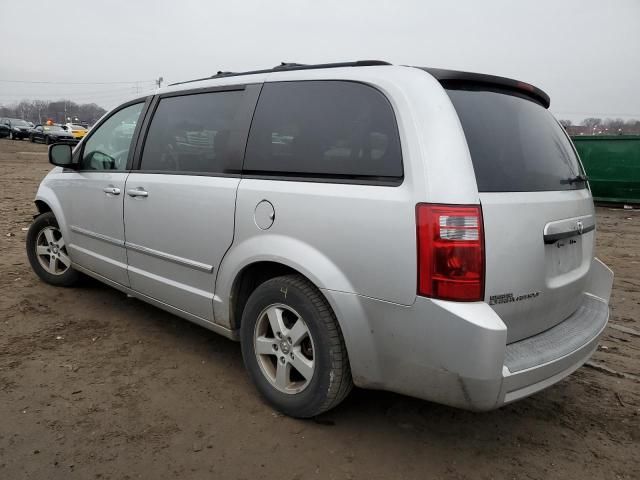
159, 81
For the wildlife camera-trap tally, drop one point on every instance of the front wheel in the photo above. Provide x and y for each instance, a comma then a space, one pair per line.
293, 348
47, 140
47, 252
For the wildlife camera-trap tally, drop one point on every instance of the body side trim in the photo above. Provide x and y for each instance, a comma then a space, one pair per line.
147, 251
98, 236
171, 258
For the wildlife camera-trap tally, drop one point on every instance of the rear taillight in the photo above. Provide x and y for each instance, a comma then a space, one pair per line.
450, 252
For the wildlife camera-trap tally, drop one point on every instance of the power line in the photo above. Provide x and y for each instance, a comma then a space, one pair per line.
76, 92
77, 83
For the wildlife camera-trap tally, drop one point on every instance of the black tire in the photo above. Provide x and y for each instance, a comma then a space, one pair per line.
66, 279
331, 381
47, 140
31, 139
11, 136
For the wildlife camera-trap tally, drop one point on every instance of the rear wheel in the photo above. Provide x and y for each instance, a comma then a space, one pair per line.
293, 347
47, 252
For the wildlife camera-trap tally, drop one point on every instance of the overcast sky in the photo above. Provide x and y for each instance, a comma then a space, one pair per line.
584, 53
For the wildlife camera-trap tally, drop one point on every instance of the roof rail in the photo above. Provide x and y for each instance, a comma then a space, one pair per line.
285, 66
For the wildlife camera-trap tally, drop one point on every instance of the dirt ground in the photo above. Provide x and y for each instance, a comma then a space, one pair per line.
97, 385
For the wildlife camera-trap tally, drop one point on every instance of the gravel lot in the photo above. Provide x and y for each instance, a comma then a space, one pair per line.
96, 385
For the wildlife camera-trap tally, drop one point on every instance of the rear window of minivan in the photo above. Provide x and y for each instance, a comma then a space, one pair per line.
516, 144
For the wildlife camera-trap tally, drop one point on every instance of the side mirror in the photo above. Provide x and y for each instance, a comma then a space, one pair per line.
60, 154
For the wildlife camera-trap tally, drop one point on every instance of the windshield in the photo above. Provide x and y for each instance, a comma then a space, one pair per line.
516, 145
19, 123
54, 128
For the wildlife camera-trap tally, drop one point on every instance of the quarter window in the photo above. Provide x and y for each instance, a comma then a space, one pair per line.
330, 129
191, 133
109, 145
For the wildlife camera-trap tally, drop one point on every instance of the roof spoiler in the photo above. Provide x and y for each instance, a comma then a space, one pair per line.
455, 77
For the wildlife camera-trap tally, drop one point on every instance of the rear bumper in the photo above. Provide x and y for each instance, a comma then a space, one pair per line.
456, 353
542, 360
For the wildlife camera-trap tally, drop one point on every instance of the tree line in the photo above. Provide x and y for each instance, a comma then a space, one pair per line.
596, 125
60, 111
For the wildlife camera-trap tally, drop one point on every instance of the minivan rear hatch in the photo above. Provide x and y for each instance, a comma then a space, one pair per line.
538, 212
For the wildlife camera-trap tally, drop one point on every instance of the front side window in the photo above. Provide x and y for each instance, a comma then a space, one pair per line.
191, 133
109, 145
334, 129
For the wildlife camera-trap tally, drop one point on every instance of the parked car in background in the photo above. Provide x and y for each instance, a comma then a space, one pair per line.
4, 129
51, 134
18, 129
78, 131
429, 232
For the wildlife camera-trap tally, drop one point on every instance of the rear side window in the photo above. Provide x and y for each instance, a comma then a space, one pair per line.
333, 129
516, 145
191, 133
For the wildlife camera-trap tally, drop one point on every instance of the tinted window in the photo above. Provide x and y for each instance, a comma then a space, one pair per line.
191, 133
109, 145
324, 128
516, 145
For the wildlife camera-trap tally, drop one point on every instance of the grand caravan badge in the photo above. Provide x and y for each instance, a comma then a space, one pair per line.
510, 298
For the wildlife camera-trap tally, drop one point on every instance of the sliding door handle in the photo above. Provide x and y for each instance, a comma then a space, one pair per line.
111, 190
137, 192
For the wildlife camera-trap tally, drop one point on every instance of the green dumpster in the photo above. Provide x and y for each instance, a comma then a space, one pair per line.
612, 163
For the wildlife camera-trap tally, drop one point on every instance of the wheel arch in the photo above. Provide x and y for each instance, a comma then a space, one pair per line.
42, 206
263, 257
47, 201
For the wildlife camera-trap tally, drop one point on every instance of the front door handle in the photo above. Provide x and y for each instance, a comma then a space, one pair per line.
111, 190
137, 192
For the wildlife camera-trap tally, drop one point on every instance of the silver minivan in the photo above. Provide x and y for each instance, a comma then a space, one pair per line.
429, 232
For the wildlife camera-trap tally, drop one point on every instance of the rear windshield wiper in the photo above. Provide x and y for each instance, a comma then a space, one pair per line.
580, 178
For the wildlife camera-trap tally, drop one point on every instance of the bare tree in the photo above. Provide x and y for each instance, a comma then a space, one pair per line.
39, 111
566, 123
614, 125
41, 106
592, 122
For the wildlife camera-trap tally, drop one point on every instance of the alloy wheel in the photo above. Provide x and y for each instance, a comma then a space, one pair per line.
51, 251
284, 348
